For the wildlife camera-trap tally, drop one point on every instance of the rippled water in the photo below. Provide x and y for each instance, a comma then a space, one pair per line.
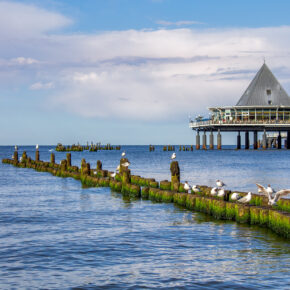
56, 235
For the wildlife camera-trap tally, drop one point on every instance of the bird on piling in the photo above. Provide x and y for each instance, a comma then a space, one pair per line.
118, 168
214, 191
270, 190
15, 147
123, 154
20, 159
126, 164
221, 193
36, 146
277, 196
173, 156
186, 186
95, 172
246, 199
113, 174
220, 183
195, 188
235, 196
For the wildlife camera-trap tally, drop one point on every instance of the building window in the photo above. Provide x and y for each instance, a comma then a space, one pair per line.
269, 102
268, 92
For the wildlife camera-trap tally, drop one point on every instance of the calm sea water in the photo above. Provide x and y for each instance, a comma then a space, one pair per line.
54, 234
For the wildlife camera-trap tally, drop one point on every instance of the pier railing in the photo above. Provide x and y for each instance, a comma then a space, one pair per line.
205, 123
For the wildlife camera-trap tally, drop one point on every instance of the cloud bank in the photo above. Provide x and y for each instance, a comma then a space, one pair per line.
143, 75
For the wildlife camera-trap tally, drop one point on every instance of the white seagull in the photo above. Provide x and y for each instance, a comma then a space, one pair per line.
126, 164
246, 199
221, 193
118, 168
186, 186
214, 191
195, 188
16, 148
173, 156
220, 183
270, 190
50, 150
36, 146
277, 196
123, 154
235, 196
113, 174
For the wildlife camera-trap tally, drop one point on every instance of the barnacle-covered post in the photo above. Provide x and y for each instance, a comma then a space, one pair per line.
99, 165
68, 159
52, 158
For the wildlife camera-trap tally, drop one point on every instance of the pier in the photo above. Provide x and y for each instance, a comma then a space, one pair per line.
264, 107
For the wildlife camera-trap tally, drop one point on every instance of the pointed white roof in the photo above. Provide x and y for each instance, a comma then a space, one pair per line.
264, 90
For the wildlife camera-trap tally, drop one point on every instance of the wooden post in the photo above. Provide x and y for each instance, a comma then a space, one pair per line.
99, 165
175, 175
68, 159
52, 158
37, 155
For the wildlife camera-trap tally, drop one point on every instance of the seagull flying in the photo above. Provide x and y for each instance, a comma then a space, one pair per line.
246, 199
270, 190
214, 191
195, 188
173, 156
277, 196
220, 183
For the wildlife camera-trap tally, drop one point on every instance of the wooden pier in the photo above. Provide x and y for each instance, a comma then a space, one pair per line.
264, 107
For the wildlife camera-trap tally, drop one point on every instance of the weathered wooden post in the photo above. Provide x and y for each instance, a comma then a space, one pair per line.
83, 166
63, 165
52, 158
175, 175
24, 156
15, 155
99, 165
68, 159
37, 155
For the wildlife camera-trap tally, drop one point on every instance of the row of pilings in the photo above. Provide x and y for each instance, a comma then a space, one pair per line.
79, 148
133, 186
265, 143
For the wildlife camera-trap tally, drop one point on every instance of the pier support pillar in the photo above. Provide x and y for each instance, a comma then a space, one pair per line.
264, 140
219, 140
211, 144
255, 140
204, 140
247, 141
197, 144
239, 141
288, 139
279, 141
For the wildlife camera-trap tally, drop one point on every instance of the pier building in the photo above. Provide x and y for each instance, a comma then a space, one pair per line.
264, 107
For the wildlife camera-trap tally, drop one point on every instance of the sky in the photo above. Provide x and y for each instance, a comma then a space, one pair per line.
131, 71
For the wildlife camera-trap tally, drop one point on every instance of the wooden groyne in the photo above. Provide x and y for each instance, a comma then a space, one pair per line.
92, 147
257, 212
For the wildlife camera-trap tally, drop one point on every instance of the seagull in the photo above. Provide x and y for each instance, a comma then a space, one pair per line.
113, 174
186, 186
173, 156
246, 199
95, 172
126, 164
20, 159
270, 190
277, 196
214, 191
36, 146
195, 188
16, 148
123, 154
220, 183
12, 157
221, 193
50, 150
235, 196
118, 168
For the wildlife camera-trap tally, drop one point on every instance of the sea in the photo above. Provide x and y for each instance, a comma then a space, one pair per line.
55, 234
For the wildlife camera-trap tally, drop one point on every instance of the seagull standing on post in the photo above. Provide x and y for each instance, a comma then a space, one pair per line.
186, 186
123, 154
246, 199
173, 156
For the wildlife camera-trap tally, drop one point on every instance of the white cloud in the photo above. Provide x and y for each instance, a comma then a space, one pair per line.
42, 86
24, 60
139, 75
178, 23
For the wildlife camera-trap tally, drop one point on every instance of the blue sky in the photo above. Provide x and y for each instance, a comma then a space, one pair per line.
130, 71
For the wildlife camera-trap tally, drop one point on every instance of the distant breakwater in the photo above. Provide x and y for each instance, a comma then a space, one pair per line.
257, 212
